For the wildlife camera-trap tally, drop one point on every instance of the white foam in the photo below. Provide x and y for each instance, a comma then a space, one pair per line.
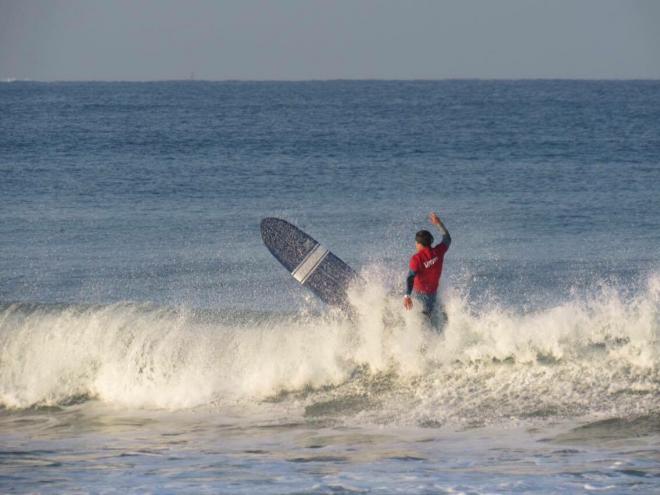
590, 356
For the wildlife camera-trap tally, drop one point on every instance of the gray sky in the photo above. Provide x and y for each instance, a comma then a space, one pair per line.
296, 39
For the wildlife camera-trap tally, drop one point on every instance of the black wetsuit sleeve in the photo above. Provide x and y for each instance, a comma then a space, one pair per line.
446, 240
410, 281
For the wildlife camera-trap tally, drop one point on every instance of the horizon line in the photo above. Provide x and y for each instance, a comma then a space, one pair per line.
10, 80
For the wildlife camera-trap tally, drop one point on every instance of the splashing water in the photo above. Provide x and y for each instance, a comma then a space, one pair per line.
597, 355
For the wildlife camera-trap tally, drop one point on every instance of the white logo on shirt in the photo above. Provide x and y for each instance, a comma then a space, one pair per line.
430, 262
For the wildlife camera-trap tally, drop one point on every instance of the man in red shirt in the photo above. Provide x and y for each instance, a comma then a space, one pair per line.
426, 267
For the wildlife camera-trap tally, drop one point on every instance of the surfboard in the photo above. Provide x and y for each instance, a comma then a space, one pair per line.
309, 262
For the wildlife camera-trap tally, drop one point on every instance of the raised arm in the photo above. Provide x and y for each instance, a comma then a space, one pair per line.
435, 220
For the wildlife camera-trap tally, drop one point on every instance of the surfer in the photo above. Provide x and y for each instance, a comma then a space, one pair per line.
426, 268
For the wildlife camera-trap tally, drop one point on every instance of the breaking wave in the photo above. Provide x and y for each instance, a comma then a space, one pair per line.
595, 356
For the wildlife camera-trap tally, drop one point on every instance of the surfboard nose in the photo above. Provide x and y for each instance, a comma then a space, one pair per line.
270, 226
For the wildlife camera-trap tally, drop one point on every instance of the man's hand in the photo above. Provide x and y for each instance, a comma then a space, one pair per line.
407, 302
435, 220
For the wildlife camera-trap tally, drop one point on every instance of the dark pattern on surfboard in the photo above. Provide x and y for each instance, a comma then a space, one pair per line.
328, 278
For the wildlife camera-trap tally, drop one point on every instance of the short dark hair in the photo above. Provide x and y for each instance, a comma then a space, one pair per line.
424, 237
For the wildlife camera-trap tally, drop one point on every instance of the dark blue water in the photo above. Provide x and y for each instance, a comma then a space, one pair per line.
153, 191
135, 289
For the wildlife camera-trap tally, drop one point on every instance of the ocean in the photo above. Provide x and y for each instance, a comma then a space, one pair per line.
150, 343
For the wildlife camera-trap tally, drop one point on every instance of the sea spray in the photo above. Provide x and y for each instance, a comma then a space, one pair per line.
595, 356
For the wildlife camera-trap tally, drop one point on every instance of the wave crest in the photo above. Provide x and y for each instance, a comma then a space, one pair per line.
596, 355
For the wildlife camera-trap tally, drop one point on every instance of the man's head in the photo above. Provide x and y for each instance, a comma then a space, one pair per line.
424, 239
